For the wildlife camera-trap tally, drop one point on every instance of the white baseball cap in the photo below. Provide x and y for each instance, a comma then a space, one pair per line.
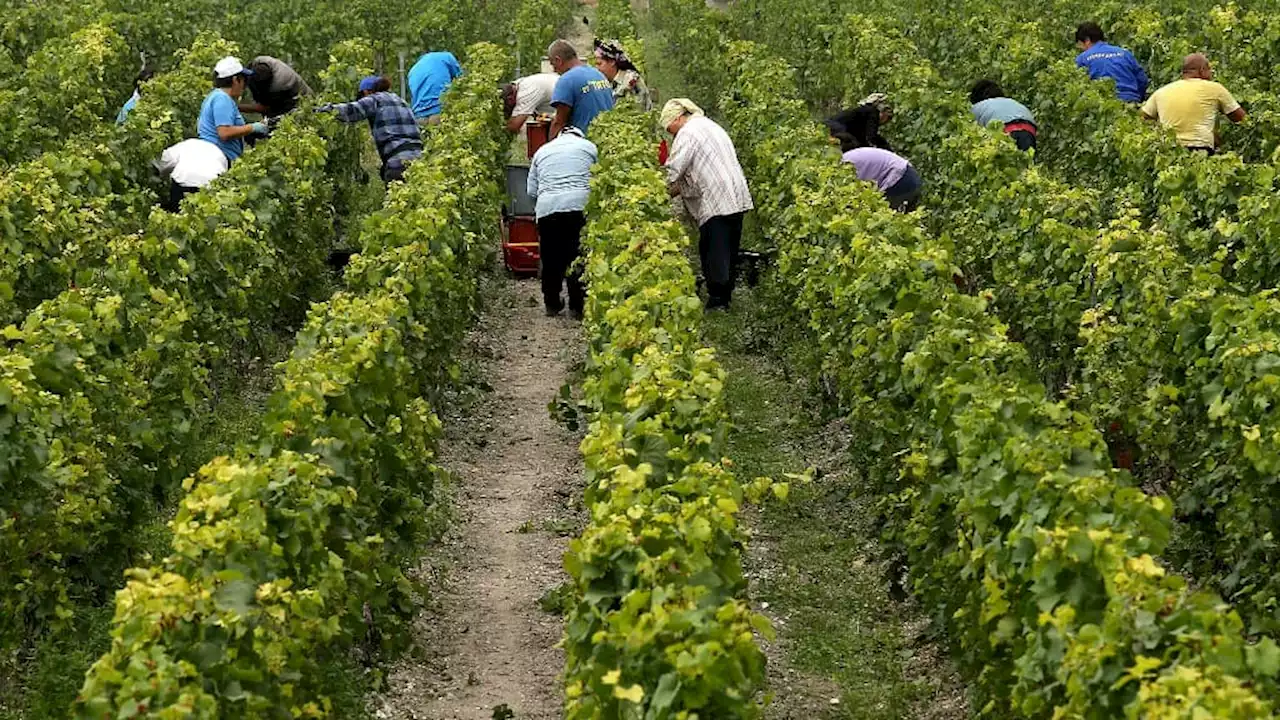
229, 67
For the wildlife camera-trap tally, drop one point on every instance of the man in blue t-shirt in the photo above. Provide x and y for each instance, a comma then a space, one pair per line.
220, 120
581, 93
1104, 60
428, 79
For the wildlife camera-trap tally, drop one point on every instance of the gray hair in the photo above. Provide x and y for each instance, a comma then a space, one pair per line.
561, 50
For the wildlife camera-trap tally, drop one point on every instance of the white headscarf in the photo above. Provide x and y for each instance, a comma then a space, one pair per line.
675, 109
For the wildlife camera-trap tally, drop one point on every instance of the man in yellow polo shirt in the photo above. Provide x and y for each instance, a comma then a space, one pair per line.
1190, 106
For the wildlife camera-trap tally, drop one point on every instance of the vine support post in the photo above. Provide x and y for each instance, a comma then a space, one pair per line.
403, 82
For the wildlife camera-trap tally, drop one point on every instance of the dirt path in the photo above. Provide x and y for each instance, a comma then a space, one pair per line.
485, 641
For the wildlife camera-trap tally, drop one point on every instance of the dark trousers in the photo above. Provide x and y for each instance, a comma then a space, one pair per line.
393, 170
904, 196
560, 243
176, 193
719, 240
1023, 139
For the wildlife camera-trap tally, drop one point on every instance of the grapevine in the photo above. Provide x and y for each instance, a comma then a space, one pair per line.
280, 550
1124, 291
659, 625
1016, 529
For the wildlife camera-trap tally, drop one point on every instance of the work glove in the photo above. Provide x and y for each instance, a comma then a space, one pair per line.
260, 128
325, 108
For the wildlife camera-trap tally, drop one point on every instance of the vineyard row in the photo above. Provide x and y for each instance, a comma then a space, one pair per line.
1020, 537
292, 549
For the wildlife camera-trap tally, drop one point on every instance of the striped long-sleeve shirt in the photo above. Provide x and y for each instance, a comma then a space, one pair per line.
704, 167
395, 131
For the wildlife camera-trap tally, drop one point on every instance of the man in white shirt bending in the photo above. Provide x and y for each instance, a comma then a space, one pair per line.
530, 96
189, 165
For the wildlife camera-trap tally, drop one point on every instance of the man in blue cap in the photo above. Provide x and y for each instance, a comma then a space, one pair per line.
428, 79
395, 132
220, 120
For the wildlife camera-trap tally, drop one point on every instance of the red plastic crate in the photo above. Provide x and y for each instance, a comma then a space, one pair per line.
520, 244
538, 132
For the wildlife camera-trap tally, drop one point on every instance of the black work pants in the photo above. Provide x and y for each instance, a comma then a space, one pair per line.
1023, 139
559, 244
176, 193
719, 240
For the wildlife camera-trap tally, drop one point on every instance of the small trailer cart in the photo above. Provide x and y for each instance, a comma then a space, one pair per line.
519, 225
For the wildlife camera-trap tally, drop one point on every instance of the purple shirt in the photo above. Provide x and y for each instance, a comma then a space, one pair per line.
881, 167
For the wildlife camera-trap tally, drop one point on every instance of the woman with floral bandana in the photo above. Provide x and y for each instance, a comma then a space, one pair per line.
612, 60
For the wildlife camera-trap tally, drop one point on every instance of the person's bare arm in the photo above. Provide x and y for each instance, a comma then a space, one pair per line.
231, 132
1149, 110
516, 122
1237, 115
562, 120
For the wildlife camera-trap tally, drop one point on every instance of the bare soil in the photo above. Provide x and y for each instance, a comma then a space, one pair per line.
483, 642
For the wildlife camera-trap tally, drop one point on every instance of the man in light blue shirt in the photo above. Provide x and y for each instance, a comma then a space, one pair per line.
144, 75
123, 115
428, 79
581, 93
990, 105
220, 120
559, 183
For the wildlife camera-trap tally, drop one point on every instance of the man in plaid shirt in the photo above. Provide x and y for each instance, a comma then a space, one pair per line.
395, 131
703, 170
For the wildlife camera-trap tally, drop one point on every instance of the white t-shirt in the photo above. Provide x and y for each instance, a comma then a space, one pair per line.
193, 163
533, 96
